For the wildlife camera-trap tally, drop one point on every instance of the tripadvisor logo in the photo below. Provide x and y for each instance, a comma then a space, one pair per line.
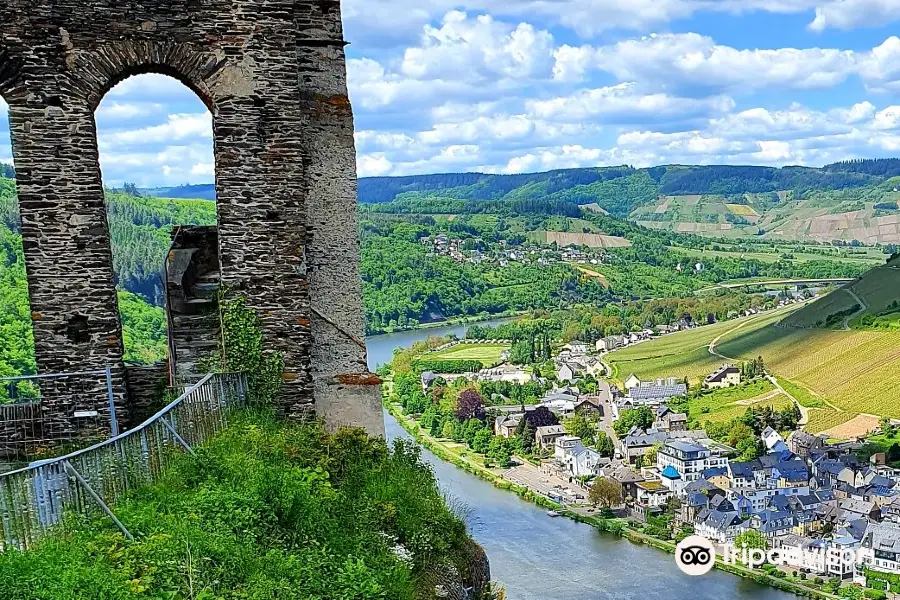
695, 555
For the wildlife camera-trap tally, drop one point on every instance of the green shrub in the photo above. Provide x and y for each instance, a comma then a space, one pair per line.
267, 510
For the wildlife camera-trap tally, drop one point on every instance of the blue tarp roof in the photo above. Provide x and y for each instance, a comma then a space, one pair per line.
671, 472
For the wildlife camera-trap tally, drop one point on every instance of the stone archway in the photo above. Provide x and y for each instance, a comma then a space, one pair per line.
274, 77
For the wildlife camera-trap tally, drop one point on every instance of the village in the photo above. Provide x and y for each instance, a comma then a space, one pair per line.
801, 491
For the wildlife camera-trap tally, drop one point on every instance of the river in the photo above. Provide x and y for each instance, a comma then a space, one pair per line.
537, 557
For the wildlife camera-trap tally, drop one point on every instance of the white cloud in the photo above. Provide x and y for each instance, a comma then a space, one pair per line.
692, 61
852, 14
176, 128
371, 22
126, 110
623, 103
479, 48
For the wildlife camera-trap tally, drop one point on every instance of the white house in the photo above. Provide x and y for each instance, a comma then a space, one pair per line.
880, 549
724, 376
566, 372
773, 441
688, 459
632, 381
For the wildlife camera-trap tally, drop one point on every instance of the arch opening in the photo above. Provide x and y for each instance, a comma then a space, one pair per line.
17, 355
154, 136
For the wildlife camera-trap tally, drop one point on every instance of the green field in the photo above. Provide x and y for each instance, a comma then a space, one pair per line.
683, 354
729, 403
488, 354
851, 371
878, 289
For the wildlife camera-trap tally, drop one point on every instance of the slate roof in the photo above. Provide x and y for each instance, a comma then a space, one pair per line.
720, 373
854, 506
741, 469
644, 439
700, 485
696, 499
714, 472
882, 536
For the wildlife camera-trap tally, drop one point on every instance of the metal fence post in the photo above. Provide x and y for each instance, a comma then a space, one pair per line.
113, 423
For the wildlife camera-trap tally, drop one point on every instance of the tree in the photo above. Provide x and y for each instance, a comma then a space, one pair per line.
650, 455
541, 417
604, 444
500, 451
579, 426
751, 539
641, 417
605, 492
471, 406
526, 434
448, 430
482, 441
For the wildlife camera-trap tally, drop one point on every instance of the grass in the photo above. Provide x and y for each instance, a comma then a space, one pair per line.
821, 419
769, 257
683, 354
878, 288
267, 510
726, 404
854, 371
806, 398
487, 353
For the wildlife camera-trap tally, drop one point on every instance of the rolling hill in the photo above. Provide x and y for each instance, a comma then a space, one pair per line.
871, 301
844, 202
842, 369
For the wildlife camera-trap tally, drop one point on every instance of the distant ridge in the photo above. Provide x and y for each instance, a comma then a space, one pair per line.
202, 191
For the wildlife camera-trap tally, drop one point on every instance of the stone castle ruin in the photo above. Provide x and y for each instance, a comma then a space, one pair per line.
273, 76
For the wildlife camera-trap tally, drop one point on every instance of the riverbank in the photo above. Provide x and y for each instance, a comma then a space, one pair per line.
462, 320
615, 526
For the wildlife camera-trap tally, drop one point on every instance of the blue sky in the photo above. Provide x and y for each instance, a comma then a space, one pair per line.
524, 85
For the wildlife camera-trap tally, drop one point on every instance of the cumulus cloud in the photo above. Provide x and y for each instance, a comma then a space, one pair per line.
695, 62
477, 49
623, 104
370, 22
852, 14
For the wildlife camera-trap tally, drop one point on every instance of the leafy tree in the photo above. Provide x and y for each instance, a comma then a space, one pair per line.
641, 417
471, 406
540, 417
482, 441
605, 492
500, 451
604, 444
579, 426
650, 455
751, 538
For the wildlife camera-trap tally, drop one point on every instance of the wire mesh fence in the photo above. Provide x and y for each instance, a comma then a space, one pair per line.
89, 481
31, 426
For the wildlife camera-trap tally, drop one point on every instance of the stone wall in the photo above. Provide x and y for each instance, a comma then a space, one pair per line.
147, 386
273, 74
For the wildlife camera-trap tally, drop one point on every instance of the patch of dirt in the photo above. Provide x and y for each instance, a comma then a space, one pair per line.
858, 426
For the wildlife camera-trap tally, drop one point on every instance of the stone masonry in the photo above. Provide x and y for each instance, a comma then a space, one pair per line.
272, 72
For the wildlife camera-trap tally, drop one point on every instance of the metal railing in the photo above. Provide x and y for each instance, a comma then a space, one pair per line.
30, 426
89, 481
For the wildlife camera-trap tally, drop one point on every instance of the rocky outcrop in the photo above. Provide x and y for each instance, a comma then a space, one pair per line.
472, 583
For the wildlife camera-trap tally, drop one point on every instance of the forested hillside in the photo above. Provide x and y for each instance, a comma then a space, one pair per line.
622, 189
144, 325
